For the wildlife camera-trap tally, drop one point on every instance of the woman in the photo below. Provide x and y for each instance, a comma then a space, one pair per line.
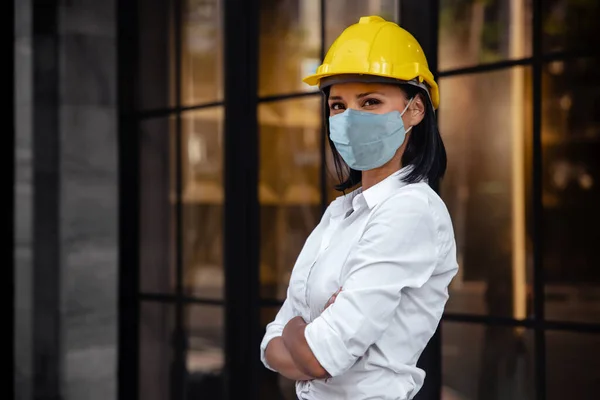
369, 287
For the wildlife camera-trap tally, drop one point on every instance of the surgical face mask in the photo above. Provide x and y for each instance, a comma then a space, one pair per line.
366, 140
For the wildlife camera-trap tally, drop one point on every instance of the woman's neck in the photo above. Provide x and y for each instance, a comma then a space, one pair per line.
373, 177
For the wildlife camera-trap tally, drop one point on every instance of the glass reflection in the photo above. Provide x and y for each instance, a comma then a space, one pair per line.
571, 189
485, 129
205, 356
572, 365
290, 44
570, 25
156, 74
474, 32
202, 181
487, 363
156, 211
289, 186
156, 351
342, 13
202, 52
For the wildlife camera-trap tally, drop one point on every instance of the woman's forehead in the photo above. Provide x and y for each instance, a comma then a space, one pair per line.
355, 88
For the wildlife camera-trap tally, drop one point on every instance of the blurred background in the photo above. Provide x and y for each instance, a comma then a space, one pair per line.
168, 164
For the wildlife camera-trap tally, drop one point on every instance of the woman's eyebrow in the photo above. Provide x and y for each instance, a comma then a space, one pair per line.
358, 96
361, 95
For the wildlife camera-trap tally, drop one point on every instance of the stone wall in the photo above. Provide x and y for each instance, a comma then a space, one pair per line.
66, 211
23, 200
88, 198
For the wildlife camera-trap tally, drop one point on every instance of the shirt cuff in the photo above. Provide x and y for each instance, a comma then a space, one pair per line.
270, 335
327, 347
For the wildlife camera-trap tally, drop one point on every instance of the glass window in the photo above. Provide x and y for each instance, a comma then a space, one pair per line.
289, 186
475, 32
205, 356
290, 44
483, 120
571, 189
201, 62
156, 77
202, 182
155, 351
342, 13
202, 203
156, 216
570, 25
203, 329
202, 52
572, 365
487, 362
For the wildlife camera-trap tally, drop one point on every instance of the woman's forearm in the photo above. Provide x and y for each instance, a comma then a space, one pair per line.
279, 358
300, 352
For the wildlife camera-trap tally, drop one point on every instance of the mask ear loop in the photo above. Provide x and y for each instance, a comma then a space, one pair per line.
406, 108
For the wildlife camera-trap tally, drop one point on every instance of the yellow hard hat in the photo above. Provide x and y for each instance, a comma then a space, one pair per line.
377, 48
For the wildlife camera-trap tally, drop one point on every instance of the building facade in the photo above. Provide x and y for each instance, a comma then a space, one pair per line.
169, 164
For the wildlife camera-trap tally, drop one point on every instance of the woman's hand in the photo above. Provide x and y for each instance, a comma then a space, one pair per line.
332, 299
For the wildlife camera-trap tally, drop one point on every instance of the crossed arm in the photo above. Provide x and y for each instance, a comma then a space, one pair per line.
291, 355
296, 344
280, 359
385, 261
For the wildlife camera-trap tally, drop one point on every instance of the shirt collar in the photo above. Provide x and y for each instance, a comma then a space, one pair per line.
381, 191
343, 204
372, 196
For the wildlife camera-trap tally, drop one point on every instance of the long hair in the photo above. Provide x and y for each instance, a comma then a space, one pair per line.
425, 150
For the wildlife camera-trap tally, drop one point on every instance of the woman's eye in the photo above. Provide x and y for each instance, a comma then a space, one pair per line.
337, 106
371, 102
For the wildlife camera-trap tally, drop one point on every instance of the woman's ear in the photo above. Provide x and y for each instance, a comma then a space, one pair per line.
416, 111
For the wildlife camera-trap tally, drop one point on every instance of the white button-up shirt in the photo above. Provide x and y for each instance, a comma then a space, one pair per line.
392, 249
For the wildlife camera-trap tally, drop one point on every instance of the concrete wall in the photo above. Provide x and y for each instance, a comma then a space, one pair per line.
88, 198
23, 199
80, 171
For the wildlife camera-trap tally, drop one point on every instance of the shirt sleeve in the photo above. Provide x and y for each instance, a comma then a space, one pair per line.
397, 250
275, 329
287, 311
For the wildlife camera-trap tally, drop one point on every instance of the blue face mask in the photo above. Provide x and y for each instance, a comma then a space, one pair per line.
366, 140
